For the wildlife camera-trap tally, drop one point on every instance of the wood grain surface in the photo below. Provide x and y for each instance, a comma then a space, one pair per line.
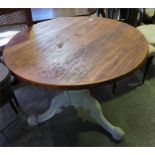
75, 52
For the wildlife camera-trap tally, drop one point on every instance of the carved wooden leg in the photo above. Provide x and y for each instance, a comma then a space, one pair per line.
78, 98
56, 104
84, 99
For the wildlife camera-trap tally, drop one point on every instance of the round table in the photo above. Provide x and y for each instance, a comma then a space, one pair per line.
75, 54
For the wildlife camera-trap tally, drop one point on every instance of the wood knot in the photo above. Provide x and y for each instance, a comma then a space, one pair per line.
60, 45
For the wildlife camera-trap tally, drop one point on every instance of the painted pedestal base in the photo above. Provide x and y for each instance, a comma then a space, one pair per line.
78, 98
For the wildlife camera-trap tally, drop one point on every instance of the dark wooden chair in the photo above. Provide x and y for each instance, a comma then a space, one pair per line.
6, 93
123, 15
13, 21
144, 20
139, 18
114, 13
147, 28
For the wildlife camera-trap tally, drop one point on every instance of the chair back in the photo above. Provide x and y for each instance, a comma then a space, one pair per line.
113, 13
10, 16
5, 84
142, 16
13, 21
148, 16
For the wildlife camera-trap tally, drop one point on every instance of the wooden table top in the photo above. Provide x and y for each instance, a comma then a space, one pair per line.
75, 52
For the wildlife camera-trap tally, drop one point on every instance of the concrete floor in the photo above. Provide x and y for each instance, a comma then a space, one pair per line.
132, 108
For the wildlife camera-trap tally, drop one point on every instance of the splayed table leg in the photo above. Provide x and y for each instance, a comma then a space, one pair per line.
78, 98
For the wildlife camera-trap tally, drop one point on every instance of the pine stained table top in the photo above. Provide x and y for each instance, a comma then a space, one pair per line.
75, 52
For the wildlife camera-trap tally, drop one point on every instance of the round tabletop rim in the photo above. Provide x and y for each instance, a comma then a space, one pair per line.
77, 86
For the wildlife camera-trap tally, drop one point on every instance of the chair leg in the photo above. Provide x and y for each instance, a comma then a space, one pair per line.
13, 106
15, 100
1, 59
114, 87
148, 63
14, 103
98, 13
